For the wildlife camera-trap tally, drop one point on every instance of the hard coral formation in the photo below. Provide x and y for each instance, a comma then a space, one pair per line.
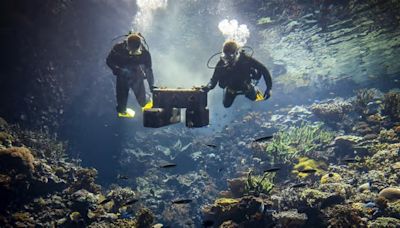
246, 211
391, 104
16, 160
344, 216
364, 97
332, 111
290, 218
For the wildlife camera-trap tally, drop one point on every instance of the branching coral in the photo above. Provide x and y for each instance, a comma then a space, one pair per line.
298, 141
391, 105
363, 97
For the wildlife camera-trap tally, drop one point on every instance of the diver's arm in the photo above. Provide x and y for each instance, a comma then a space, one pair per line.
112, 61
267, 76
216, 76
264, 71
149, 70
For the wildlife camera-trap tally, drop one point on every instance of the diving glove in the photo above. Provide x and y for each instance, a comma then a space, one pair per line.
267, 94
205, 88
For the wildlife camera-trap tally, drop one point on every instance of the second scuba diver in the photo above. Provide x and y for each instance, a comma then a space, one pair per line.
236, 72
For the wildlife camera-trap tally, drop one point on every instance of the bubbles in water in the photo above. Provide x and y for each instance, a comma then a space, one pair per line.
233, 31
144, 16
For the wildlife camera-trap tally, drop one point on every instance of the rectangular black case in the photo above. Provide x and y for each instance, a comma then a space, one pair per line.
197, 117
159, 117
179, 98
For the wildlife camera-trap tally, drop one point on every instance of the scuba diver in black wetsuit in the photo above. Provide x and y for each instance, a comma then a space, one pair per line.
130, 62
235, 73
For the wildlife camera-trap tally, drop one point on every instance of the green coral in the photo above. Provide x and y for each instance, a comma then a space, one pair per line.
259, 184
298, 141
308, 163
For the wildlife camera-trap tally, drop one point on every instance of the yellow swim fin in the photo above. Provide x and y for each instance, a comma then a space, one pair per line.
129, 113
259, 96
149, 105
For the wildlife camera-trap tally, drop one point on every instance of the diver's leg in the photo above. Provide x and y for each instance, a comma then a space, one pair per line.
122, 88
251, 93
140, 91
229, 97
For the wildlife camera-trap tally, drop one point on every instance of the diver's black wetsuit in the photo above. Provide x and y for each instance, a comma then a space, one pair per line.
130, 70
238, 77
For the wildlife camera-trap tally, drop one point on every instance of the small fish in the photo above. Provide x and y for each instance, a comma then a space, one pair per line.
370, 205
168, 165
299, 185
122, 177
130, 202
271, 170
307, 171
211, 145
220, 169
350, 160
207, 223
105, 201
182, 201
152, 192
263, 138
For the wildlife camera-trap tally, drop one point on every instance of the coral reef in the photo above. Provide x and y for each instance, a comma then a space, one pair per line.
39, 191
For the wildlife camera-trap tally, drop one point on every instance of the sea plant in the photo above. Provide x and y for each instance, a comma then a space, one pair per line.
258, 184
298, 141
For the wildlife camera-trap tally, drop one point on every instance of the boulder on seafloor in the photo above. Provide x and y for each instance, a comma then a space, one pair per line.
390, 194
318, 199
343, 145
290, 218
